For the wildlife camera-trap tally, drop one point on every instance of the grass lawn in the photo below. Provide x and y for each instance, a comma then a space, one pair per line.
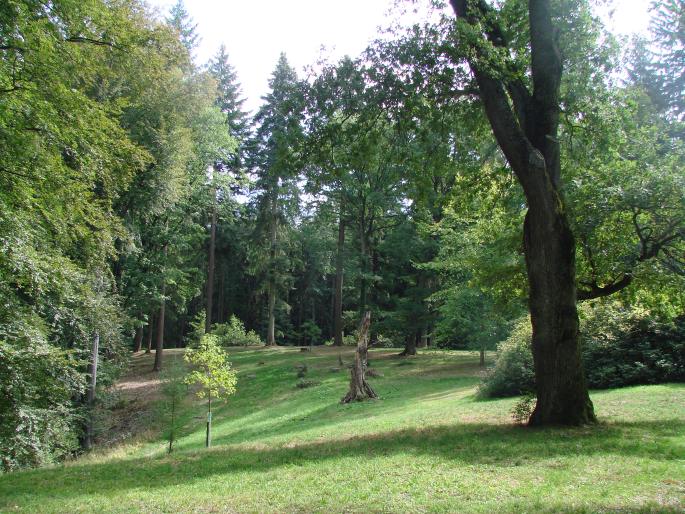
428, 445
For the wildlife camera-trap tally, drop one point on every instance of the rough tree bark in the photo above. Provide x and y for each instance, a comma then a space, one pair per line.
525, 126
359, 387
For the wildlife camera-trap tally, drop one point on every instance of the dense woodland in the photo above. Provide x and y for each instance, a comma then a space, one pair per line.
505, 162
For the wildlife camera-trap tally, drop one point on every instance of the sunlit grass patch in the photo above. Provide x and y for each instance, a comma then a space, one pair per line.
427, 445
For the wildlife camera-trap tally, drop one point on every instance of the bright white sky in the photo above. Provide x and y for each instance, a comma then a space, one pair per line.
256, 31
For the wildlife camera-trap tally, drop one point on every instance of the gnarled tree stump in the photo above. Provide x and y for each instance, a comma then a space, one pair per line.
359, 387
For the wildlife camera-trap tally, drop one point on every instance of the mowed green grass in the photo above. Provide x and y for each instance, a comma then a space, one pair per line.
427, 445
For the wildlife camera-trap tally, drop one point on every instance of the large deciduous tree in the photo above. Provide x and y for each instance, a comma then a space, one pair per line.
525, 123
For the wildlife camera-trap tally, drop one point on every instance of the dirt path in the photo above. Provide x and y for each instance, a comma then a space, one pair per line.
128, 410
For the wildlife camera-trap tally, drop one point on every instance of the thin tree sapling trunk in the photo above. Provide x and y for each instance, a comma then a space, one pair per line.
359, 387
208, 438
90, 398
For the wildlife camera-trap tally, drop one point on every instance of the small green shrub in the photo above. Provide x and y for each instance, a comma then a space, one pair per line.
619, 347
350, 340
513, 372
523, 409
233, 333
382, 341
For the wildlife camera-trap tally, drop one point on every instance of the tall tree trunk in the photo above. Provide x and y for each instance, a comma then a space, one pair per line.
138, 340
423, 340
560, 382
150, 331
210, 266
159, 347
90, 398
339, 262
410, 346
525, 125
359, 387
271, 332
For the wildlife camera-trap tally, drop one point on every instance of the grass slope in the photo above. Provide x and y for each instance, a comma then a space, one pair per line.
428, 445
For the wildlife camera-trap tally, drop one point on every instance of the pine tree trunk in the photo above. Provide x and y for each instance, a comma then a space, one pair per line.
359, 387
138, 340
423, 341
409, 346
271, 333
339, 262
150, 331
210, 267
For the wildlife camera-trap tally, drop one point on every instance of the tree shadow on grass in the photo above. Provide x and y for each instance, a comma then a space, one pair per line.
466, 444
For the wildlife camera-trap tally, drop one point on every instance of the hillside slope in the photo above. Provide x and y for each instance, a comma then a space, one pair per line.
428, 445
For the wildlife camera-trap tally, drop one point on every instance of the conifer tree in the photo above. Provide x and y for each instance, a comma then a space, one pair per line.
180, 19
274, 157
229, 101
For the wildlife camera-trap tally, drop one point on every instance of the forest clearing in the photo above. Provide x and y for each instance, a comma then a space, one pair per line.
427, 445
439, 268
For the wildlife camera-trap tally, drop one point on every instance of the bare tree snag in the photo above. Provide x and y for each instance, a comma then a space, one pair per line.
359, 387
